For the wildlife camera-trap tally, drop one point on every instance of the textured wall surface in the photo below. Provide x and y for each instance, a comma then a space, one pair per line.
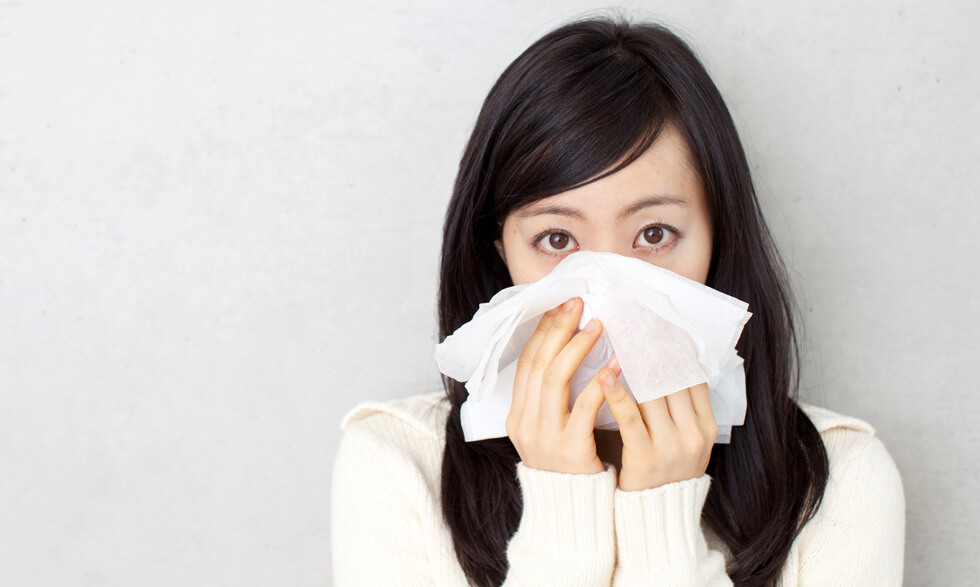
220, 228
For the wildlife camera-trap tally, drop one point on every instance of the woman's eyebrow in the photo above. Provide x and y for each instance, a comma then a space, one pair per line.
556, 210
657, 200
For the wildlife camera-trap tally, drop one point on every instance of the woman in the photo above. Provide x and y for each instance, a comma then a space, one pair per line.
610, 136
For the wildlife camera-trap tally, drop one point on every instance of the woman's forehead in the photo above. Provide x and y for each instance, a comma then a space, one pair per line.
663, 177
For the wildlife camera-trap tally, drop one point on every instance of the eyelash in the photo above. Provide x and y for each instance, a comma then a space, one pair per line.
658, 248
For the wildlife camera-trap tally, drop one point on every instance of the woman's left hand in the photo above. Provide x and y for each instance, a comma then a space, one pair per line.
664, 440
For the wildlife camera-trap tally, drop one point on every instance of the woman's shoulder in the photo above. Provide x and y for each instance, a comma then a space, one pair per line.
403, 436
860, 523
385, 494
854, 451
848, 439
422, 414
826, 420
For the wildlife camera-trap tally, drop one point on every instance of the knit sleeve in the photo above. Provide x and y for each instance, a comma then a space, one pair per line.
659, 540
378, 509
566, 534
858, 535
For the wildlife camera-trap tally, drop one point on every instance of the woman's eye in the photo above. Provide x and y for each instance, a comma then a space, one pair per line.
556, 242
653, 236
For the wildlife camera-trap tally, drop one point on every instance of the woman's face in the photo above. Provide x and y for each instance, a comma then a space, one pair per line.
654, 209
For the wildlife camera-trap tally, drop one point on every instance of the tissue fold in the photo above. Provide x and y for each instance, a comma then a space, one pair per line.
667, 331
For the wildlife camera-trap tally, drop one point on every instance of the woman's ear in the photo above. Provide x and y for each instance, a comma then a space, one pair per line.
500, 250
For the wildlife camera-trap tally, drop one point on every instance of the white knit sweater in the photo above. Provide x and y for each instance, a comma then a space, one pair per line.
388, 529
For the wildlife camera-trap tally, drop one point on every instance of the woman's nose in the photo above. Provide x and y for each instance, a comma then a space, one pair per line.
606, 246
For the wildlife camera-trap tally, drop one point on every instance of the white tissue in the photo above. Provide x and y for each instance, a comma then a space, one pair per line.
667, 331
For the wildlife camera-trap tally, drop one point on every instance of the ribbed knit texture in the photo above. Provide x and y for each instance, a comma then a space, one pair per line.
569, 511
566, 526
658, 534
579, 529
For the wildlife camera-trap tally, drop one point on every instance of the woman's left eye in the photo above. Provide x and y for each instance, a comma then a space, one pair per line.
655, 235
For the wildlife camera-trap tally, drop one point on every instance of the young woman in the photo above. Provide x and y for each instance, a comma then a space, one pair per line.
610, 136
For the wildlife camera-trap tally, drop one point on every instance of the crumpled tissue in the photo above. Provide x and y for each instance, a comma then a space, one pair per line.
668, 332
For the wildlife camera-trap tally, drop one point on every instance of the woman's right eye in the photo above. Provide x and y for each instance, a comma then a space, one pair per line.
556, 242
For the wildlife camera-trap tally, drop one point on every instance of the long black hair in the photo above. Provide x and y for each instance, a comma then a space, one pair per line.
581, 103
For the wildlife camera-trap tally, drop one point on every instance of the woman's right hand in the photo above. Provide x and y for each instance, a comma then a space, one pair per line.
546, 435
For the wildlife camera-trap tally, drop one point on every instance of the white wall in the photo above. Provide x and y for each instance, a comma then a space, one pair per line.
218, 219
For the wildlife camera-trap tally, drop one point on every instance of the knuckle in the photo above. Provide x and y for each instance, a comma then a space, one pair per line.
711, 431
551, 378
539, 363
564, 321
631, 418
694, 446
544, 324
524, 363
620, 396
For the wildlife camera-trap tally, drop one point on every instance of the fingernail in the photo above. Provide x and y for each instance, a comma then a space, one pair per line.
608, 380
567, 306
613, 363
591, 325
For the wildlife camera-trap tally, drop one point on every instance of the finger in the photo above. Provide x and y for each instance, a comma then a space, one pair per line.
562, 327
682, 410
586, 409
656, 416
556, 379
692, 435
701, 398
613, 364
524, 361
625, 411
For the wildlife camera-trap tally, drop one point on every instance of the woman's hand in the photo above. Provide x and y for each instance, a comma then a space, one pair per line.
664, 440
547, 436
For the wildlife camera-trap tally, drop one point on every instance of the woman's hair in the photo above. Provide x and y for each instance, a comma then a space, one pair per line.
581, 103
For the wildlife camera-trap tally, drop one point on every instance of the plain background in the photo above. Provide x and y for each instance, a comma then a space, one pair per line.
220, 229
